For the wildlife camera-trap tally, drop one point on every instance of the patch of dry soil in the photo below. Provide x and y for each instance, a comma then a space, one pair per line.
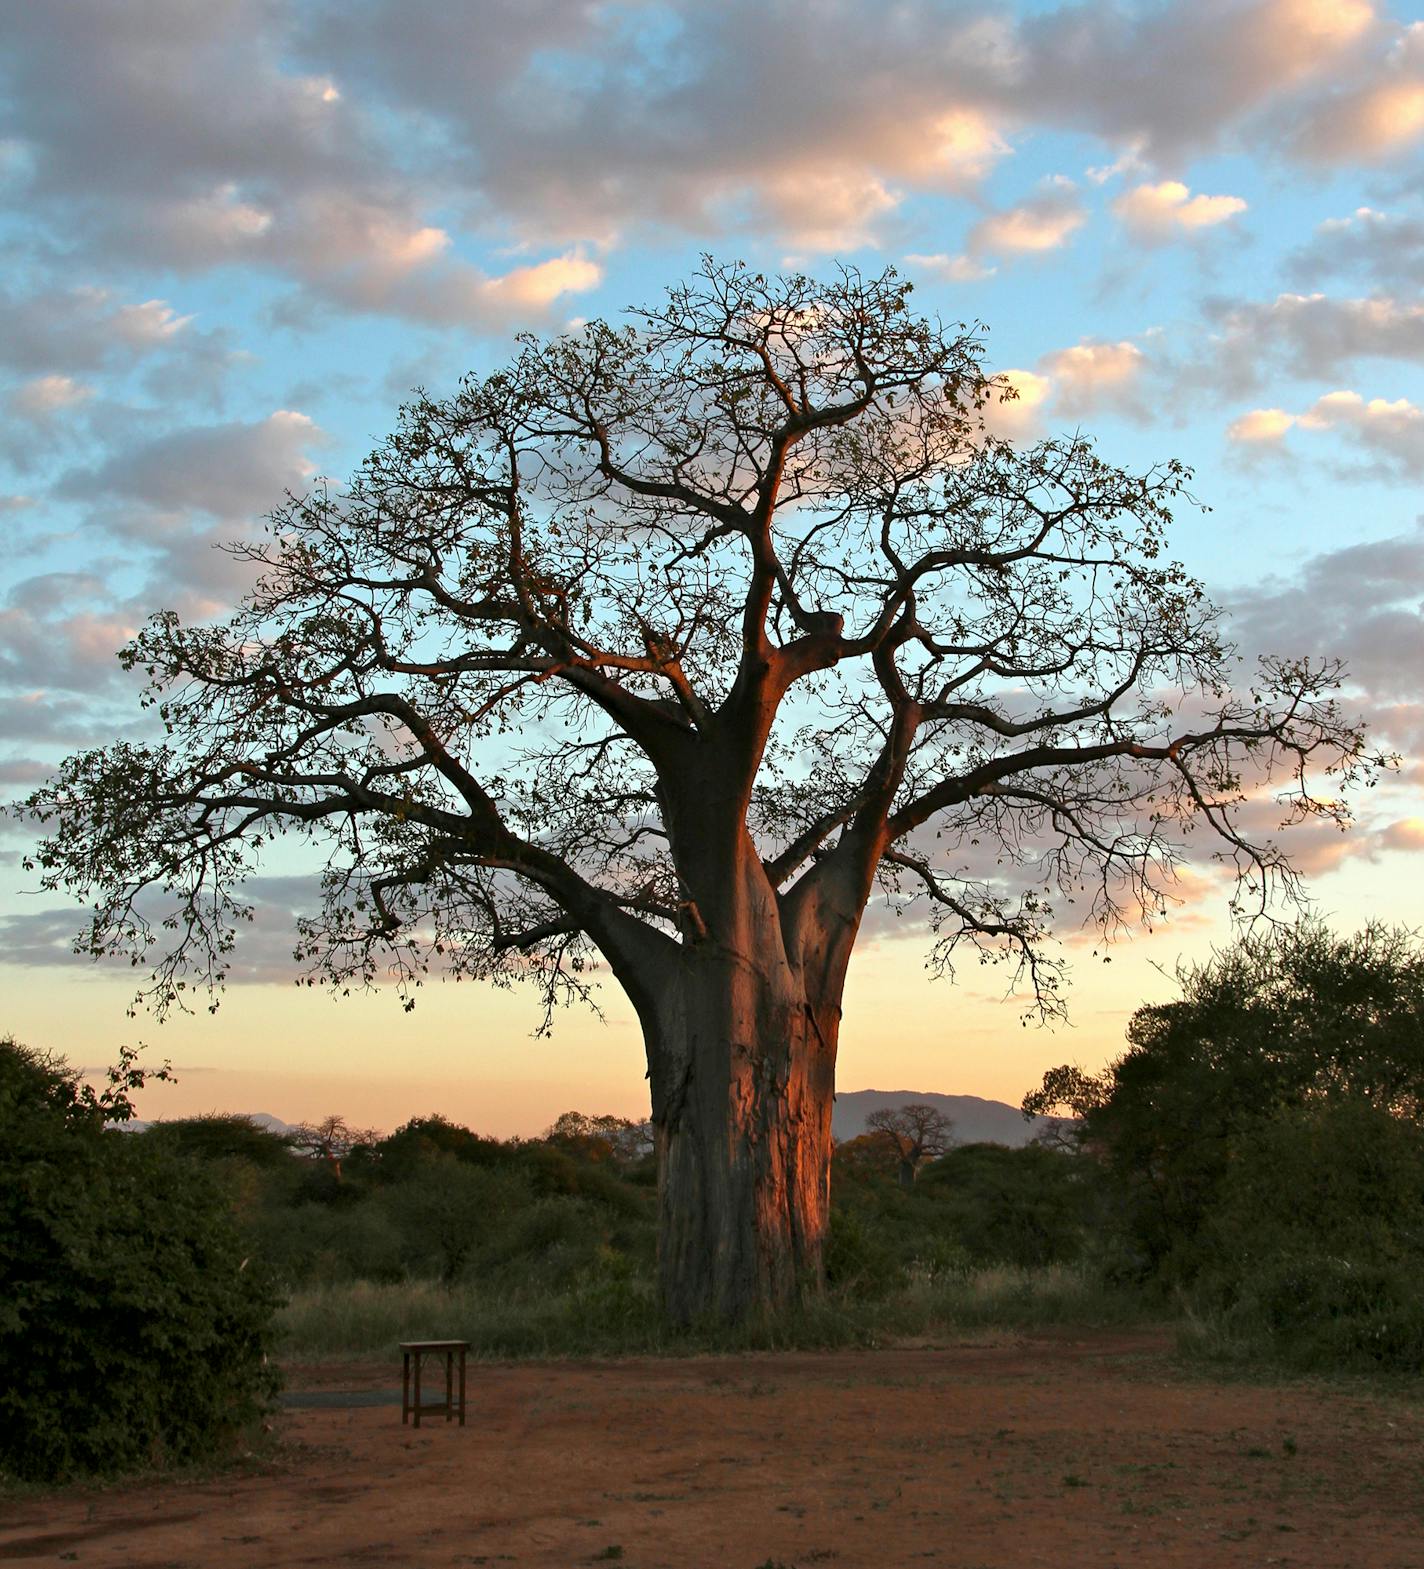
1067, 1450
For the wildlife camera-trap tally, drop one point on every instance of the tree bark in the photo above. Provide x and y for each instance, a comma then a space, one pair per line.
743, 1084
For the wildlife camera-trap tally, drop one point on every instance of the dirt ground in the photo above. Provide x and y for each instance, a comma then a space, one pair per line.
1069, 1450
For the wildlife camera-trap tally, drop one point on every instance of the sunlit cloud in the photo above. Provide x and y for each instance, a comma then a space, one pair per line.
1260, 425
950, 268
1388, 431
43, 396
1091, 376
1374, 119
1018, 418
1043, 223
1168, 208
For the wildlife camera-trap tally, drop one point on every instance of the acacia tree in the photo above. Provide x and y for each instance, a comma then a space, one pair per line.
669, 644
917, 1132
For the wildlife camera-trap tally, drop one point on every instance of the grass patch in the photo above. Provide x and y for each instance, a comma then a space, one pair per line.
605, 1317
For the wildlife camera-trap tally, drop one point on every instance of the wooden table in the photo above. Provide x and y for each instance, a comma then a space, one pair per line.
415, 1352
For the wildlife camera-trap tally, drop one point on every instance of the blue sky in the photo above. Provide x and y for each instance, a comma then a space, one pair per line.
236, 233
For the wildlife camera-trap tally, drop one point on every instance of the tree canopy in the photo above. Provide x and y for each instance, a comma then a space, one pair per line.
477, 673
671, 643
1282, 1021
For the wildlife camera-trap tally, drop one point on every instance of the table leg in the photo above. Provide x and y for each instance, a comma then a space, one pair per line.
449, 1384
405, 1389
462, 1386
419, 1358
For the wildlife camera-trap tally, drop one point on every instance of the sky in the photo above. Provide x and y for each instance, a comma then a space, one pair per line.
236, 234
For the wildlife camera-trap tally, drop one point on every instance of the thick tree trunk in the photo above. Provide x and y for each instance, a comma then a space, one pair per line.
742, 1098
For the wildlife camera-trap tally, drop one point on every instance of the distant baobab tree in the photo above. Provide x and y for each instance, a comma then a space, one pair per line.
917, 1133
330, 1140
672, 643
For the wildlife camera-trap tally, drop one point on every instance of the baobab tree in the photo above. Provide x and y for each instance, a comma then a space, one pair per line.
330, 1140
669, 645
916, 1132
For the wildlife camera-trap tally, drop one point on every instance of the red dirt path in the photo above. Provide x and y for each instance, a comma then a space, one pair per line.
1085, 1450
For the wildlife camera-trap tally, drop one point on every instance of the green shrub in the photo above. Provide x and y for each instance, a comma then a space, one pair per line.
133, 1329
446, 1208
1316, 1241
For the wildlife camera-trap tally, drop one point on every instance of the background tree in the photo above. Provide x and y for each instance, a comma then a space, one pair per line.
604, 1137
917, 1132
1283, 1020
671, 643
330, 1140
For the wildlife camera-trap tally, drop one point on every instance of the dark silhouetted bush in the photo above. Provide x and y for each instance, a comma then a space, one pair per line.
133, 1331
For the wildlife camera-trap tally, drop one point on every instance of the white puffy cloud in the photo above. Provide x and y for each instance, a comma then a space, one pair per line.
1019, 417
1042, 223
1390, 432
60, 331
1167, 80
336, 143
951, 268
1092, 375
1360, 603
824, 210
1260, 425
1406, 834
1168, 208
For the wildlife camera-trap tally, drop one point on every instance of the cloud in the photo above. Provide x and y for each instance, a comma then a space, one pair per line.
1378, 117
1386, 248
1394, 431
1314, 336
62, 331
1042, 223
1091, 375
1019, 418
1361, 603
1391, 432
1166, 210
1406, 834
364, 256
1260, 425
337, 145
1170, 80
953, 269
42, 396
233, 470
824, 210
185, 139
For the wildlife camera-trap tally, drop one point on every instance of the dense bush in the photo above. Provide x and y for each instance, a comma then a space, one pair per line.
1315, 1242
1288, 1018
133, 1329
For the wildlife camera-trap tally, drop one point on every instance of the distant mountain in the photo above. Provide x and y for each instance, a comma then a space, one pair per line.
975, 1121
